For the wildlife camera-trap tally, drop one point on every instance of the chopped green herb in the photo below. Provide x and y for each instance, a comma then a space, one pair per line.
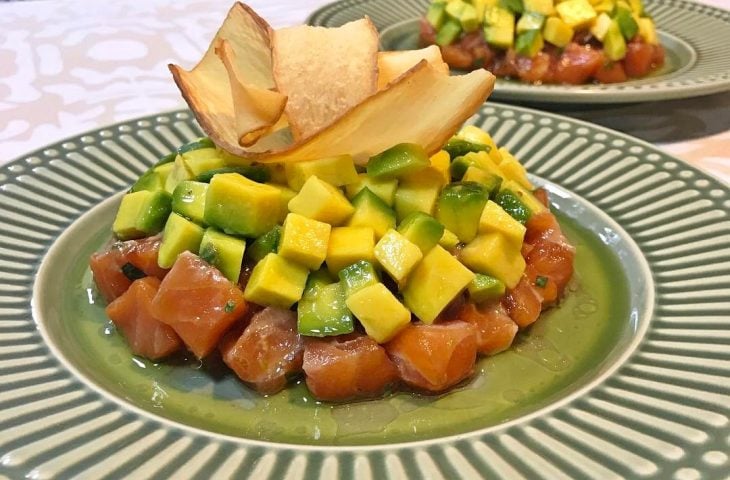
131, 272
230, 305
541, 281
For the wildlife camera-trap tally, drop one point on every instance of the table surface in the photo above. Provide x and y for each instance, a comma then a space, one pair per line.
67, 67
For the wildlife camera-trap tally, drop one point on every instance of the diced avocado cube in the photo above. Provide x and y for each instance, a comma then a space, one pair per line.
614, 45
141, 214
358, 276
397, 255
418, 193
544, 7
318, 278
256, 173
399, 160
321, 201
304, 240
164, 171
202, 160
224, 252
627, 24
371, 211
322, 311
151, 180
441, 161
512, 169
382, 187
435, 283
600, 26
529, 43
513, 205
377, 309
576, 13
347, 245
557, 32
474, 134
436, 14
494, 219
179, 172
530, 21
492, 254
499, 27
461, 165
421, 229
188, 199
525, 195
337, 171
468, 18
200, 143
449, 240
647, 31
276, 282
454, 8
179, 235
459, 207
448, 33
515, 6
457, 147
240, 206
169, 158
484, 288
485, 162
265, 244
490, 181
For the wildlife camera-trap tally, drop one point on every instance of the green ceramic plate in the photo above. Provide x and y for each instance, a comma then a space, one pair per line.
696, 38
628, 378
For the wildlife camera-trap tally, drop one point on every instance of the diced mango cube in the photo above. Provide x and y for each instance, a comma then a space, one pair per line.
434, 283
304, 240
276, 282
576, 13
321, 201
513, 169
495, 219
397, 255
600, 26
557, 32
377, 309
347, 245
337, 171
544, 7
441, 162
493, 254
241, 206
647, 31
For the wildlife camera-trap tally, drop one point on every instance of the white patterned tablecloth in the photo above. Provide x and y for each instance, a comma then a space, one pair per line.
71, 66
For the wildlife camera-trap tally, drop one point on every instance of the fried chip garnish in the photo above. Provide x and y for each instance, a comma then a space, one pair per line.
222, 107
423, 106
324, 72
256, 110
391, 65
326, 81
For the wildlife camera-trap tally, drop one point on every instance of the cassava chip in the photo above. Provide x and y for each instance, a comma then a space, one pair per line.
391, 65
324, 72
255, 109
424, 106
209, 92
